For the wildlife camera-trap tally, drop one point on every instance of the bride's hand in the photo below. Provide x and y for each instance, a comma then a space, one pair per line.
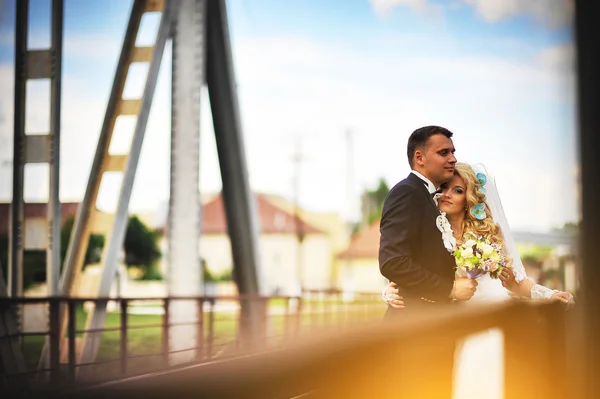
507, 276
391, 297
564, 297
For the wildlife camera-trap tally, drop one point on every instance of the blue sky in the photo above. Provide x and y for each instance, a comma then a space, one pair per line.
499, 74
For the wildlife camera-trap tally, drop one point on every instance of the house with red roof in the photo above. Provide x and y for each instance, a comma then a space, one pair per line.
283, 261
36, 223
359, 264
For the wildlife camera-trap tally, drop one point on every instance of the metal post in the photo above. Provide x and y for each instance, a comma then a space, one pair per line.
72, 339
165, 332
15, 267
11, 355
299, 309
53, 210
116, 238
240, 207
286, 323
211, 328
123, 337
54, 305
200, 332
38, 148
587, 14
183, 232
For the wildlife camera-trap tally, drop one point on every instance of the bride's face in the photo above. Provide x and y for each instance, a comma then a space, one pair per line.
454, 197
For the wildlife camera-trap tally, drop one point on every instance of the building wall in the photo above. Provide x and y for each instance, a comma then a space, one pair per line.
361, 275
36, 230
216, 252
279, 259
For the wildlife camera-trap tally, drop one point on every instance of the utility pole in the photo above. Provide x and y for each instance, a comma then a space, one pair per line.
297, 159
349, 179
348, 290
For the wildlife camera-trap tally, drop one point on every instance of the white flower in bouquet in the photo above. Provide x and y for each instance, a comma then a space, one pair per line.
478, 256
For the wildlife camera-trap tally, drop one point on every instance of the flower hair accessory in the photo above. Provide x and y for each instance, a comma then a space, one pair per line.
482, 179
478, 211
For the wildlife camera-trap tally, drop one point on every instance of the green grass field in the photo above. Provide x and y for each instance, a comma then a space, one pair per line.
148, 340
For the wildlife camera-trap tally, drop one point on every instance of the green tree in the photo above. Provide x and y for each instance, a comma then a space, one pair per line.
380, 192
94, 248
569, 227
34, 262
372, 204
141, 248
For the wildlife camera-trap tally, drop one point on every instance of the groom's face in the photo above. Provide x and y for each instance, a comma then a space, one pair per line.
437, 159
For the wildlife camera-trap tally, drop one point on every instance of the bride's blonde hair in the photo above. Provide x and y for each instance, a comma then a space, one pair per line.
486, 226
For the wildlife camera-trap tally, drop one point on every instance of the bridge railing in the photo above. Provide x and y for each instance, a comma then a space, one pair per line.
382, 360
135, 337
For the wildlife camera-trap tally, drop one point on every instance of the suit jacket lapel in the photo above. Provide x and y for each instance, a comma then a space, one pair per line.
421, 184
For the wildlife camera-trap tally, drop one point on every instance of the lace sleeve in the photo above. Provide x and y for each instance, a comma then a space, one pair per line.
519, 270
540, 292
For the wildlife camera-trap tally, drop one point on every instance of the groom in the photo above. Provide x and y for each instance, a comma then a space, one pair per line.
411, 250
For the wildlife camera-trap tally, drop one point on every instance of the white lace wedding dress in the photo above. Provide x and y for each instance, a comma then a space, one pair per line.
479, 358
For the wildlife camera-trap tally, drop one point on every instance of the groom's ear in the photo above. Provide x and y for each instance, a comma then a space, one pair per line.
418, 158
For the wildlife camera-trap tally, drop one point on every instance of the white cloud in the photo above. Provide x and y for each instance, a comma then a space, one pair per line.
496, 108
92, 46
550, 13
559, 58
383, 7
488, 102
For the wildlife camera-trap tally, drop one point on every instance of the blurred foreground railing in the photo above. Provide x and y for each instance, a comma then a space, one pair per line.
381, 360
135, 337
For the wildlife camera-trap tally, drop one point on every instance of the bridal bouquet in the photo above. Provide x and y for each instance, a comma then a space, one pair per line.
478, 256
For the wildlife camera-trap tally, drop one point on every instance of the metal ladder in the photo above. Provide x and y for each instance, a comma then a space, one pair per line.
125, 163
35, 148
206, 35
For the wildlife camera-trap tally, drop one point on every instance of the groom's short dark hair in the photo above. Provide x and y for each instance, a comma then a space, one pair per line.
418, 139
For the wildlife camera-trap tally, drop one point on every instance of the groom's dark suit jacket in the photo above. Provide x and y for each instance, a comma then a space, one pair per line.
411, 250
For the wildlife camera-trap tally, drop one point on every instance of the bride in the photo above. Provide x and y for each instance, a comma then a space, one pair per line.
471, 204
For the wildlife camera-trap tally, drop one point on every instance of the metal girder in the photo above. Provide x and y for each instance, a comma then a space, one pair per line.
17, 214
54, 219
11, 356
240, 207
103, 162
45, 148
39, 64
115, 240
184, 217
85, 213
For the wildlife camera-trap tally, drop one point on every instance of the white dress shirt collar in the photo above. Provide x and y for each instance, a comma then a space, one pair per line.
430, 186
